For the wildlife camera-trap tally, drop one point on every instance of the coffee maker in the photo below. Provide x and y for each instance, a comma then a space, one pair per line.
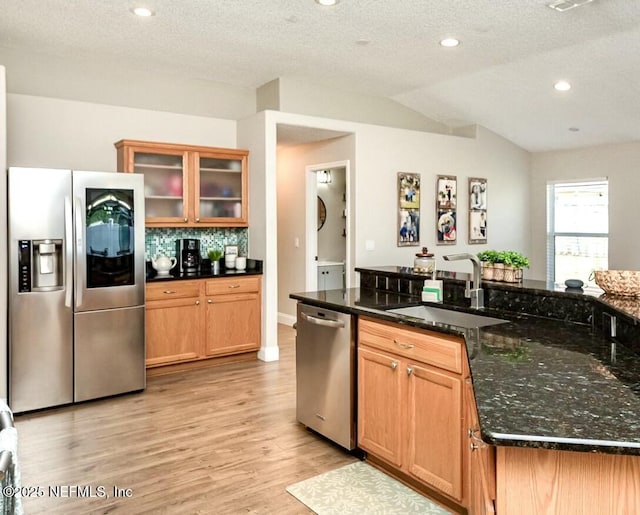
188, 254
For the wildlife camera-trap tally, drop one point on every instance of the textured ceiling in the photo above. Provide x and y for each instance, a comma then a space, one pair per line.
501, 76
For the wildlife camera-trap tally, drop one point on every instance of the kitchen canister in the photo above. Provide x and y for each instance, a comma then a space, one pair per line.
241, 263
424, 263
230, 261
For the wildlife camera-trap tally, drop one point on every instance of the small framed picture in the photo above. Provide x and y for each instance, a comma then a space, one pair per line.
408, 232
446, 210
477, 210
230, 250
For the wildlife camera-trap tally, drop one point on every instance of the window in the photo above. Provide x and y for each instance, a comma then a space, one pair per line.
577, 230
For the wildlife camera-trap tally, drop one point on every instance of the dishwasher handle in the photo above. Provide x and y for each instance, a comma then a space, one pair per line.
321, 321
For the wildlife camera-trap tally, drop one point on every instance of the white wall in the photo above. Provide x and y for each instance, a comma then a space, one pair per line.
382, 152
503, 164
291, 163
97, 81
55, 133
309, 98
3, 238
621, 164
260, 139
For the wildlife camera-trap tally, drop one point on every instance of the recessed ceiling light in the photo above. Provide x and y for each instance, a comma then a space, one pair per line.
142, 11
562, 85
574, 129
449, 42
327, 3
363, 42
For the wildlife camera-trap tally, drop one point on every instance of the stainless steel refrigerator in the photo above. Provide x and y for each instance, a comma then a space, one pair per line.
76, 286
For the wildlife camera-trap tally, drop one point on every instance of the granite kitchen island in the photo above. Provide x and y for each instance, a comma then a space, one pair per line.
551, 379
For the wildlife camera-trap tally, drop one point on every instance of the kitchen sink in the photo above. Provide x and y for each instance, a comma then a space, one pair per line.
447, 316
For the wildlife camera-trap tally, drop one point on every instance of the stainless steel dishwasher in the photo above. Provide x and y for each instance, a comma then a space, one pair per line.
325, 379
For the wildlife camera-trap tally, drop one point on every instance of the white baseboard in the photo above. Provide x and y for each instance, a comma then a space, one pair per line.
269, 354
286, 319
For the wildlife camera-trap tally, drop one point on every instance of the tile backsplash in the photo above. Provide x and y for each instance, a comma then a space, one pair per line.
163, 240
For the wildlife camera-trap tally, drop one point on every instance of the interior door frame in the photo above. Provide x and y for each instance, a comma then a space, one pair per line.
311, 222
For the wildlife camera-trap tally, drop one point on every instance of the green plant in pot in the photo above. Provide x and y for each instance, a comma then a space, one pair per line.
215, 255
515, 259
488, 259
514, 262
503, 265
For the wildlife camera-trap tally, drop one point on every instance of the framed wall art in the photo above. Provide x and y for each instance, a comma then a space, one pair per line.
408, 209
477, 210
446, 210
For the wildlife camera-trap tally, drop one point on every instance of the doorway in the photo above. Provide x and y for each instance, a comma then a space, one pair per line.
327, 225
301, 153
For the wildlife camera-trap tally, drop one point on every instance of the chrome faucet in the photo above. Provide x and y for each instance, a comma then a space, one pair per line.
476, 294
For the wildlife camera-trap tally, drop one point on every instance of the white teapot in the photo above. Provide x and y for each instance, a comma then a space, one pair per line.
163, 264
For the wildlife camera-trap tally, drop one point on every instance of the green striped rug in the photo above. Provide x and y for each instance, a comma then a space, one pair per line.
361, 489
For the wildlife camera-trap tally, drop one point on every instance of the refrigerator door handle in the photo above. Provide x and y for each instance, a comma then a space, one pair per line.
80, 265
68, 252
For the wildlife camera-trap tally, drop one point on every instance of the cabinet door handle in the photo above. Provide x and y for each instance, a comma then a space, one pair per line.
185, 219
197, 302
394, 365
234, 286
409, 371
474, 447
168, 292
197, 219
209, 301
404, 345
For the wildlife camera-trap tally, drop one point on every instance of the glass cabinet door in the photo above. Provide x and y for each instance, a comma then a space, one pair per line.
164, 185
220, 188
189, 186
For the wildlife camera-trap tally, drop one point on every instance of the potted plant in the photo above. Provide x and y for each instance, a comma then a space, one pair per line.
498, 266
488, 258
215, 255
514, 263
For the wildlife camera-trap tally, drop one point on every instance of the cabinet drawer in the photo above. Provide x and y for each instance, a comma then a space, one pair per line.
233, 285
440, 350
173, 290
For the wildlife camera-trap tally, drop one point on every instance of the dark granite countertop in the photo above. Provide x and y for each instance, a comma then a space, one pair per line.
528, 285
538, 382
628, 306
254, 267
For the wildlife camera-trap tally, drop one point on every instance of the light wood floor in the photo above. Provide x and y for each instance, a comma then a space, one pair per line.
218, 440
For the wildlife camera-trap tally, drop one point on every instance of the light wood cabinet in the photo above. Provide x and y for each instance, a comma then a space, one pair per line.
232, 316
173, 322
380, 399
189, 186
434, 428
410, 403
533, 481
200, 319
481, 473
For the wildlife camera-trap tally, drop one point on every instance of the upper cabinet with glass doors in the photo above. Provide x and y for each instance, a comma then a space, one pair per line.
189, 186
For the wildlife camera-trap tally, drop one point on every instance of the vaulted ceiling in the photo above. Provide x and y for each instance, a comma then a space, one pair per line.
501, 76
